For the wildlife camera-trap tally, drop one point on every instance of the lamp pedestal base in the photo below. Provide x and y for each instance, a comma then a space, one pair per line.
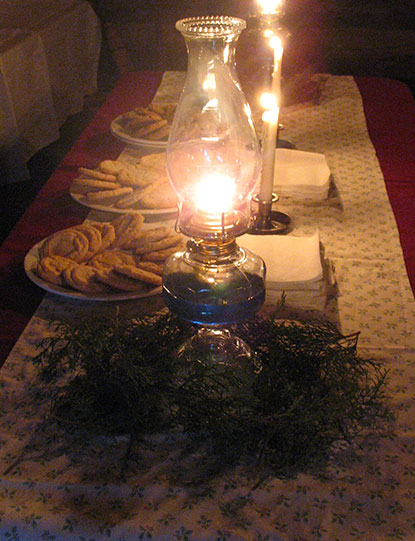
219, 346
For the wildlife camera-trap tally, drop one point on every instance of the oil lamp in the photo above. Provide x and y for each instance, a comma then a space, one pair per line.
214, 163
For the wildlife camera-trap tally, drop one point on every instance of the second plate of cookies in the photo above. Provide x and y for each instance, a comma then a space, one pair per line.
140, 187
145, 126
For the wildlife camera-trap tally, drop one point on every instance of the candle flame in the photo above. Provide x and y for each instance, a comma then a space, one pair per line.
276, 44
214, 194
268, 101
271, 115
269, 7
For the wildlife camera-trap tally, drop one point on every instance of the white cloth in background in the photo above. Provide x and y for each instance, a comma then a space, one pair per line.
49, 53
30, 14
72, 58
27, 116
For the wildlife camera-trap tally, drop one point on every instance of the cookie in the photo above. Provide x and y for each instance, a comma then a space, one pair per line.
138, 176
127, 237
107, 232
144, 115
152, 235
149, 121
156, 160
160, 255
84, 185
165, 110
107, 197
128, 201
159, 195
94, 238
120, 223
149, 128
82, 278
160, 133
152, 246
151, 266
69, 243
96, 174
50, 268
119, 281
111, 167
139, 274
107, 259
125, 221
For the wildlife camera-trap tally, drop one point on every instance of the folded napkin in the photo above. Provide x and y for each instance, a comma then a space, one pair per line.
301, 174
294, 266
292, 262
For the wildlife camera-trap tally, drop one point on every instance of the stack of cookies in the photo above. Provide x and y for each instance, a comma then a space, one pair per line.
107, 257
113, 184
152, 122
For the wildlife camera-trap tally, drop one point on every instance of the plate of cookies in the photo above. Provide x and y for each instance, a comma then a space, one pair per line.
145, 126
142, 187
103, 261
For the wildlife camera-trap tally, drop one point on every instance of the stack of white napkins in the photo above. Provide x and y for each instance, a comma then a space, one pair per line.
294, 267
301, 174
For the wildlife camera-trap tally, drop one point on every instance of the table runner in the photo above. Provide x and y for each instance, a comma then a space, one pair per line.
45, 491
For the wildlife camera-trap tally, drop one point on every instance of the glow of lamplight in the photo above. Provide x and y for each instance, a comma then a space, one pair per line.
271, 115
214, 194
268, 101
275, 43
269, 7
209, 83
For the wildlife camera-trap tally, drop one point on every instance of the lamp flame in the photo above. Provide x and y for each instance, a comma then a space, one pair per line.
209, 84
214, 194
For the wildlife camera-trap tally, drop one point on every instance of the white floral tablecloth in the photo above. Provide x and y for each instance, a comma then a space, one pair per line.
52, 490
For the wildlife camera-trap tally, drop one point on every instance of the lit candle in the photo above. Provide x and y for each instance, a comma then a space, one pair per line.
269, 7
271, 103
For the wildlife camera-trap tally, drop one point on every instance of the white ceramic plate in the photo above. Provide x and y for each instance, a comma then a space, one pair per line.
31, 260
118, 131
108, 208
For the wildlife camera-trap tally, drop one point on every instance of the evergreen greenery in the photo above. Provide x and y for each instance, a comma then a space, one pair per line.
119, 376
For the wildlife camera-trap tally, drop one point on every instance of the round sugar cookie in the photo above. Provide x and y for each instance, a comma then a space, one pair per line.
69, 243
82, 278
119, 281
139, 274
107, 259
50, 268
107, 232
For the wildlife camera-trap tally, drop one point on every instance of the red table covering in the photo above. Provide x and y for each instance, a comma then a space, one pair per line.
390, 114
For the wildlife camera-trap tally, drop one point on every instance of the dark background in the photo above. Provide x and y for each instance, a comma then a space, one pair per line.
342, 37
